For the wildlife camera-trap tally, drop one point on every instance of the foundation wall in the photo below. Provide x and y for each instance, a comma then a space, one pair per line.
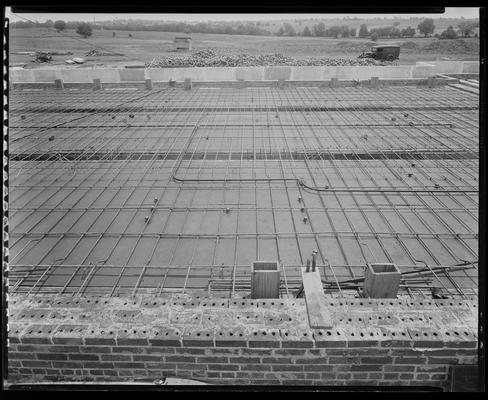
222, 341
215, 74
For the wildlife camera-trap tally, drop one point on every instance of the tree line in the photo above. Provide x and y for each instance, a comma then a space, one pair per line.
425, 28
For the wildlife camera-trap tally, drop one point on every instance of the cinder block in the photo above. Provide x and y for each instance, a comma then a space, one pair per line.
334, 82
375, 81
149, 84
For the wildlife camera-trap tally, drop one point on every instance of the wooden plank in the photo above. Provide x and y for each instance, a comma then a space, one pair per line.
319, 316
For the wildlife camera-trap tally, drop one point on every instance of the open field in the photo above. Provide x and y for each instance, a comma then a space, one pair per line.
145, 46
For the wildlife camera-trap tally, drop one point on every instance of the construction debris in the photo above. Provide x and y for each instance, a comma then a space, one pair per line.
100, 53
209, 58
42, 57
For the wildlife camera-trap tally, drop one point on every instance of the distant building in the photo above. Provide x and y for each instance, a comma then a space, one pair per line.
182, 43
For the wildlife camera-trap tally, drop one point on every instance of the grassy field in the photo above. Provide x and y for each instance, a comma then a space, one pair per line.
145, 46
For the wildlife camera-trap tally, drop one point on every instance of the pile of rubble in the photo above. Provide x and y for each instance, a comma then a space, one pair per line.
209, 58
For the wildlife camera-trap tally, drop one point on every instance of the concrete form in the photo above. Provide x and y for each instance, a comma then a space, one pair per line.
114, 75
141, 193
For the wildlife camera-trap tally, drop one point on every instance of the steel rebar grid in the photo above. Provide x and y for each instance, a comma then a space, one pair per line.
274, 100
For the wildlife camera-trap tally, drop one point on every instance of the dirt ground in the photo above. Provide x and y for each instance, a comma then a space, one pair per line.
146, 46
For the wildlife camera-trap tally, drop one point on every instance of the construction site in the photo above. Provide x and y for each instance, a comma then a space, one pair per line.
255, 225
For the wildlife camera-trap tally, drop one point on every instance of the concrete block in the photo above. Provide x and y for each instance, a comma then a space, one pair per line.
277, 73
375, 81
45, 75
131, 75
18, 75
432, 82
423, 70
187, 83
106, 75
307, 73
250, 73
177, 74
97, 84
447, 67
381, 281
78, 75
58, 84
471, 67
219, 74
149, 84
334, 82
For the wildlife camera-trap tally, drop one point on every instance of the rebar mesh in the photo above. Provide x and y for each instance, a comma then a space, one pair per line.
120, 191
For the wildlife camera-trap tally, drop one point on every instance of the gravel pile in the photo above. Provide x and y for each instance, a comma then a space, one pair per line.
209, 58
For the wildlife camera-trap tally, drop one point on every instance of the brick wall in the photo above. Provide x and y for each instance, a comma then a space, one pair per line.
272, 346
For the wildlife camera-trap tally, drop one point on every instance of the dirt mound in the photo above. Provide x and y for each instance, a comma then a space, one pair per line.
453, 46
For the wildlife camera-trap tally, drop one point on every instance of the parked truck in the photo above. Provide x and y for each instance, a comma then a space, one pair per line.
382, 53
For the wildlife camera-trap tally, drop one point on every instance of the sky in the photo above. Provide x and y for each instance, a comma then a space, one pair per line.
451, 12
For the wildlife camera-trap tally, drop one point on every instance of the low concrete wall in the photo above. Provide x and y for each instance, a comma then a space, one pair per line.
216, 74
450, 67
229, 74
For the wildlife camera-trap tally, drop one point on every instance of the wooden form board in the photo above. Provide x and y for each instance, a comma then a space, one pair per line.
319, 316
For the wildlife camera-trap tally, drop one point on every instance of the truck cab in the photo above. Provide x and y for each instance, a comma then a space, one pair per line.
383, 53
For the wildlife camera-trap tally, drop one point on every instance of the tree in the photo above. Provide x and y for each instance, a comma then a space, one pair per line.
407, 32
113, 34
352, 32
396, 23
319, 29
84, 29
49, 24
395, 33
306, 31
374, 37
60, 25
288, 29
449, 33
466, 28
335, 31
426, 27
363, 31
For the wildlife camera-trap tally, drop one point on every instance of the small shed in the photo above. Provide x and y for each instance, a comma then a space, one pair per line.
182, 43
